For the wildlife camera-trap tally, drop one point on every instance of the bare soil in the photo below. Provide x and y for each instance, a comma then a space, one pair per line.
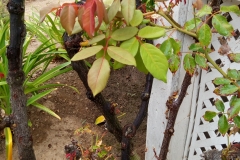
50, 135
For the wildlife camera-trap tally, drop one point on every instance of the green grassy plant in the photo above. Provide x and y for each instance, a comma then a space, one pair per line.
32, 63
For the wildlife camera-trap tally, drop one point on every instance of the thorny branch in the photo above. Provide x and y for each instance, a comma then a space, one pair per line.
173, 106
129, 130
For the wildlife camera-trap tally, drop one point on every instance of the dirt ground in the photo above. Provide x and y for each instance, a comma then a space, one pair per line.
50, 135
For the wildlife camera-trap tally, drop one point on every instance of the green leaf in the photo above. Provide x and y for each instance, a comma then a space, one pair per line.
154, 61
140, 65
123, 34
234, 57
204, 35
226, 90
197, 47
117, 65
209, 115
205, 10
169, 47
174, 63
223, 124
232, 8
45, 109
121, 55
235, 106
98, 75
233, 101
219, 105
236, 120
113, 9
151, 32
233, 74
102, 153
191, 24
221, 81
96, 39
189, 64
137, 18
201, 61
221, 24
131, 45
87, 52
128, 8
29, 123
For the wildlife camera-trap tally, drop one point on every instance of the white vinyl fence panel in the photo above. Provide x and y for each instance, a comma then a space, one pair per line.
192, 134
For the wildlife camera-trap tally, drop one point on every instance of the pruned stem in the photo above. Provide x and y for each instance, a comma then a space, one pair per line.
173, 106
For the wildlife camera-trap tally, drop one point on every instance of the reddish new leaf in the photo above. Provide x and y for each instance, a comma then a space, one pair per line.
74, 5
101, 13
49, 8
67, 18
80, 13
88, 17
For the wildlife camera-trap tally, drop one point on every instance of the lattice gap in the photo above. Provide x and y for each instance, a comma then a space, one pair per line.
198, 138
228, 16
212, 48
220, 115
236, 34
224, 99
224, 145
206, 135
206, 88
219, 62
218, 134
209, 69
195, 153
201, 122
202, 149
203, 105
212, 101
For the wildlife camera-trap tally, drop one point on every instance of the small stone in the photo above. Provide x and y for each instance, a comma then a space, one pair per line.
34, 75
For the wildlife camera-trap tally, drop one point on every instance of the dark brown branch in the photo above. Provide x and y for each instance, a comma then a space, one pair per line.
72, 46
129, 130
173, 106
15, 79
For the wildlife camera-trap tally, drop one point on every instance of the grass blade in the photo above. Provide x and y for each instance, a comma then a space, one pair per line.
47, 110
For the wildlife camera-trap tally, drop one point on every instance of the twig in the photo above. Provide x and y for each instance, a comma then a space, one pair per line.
173, 105
175, 24
129, 130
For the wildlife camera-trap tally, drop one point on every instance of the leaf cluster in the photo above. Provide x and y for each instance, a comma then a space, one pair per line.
117, 36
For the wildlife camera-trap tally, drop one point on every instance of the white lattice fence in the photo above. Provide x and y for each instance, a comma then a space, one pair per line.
193, 135
205, 135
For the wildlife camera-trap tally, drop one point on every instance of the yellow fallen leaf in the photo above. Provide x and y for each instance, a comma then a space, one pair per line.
100, 119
